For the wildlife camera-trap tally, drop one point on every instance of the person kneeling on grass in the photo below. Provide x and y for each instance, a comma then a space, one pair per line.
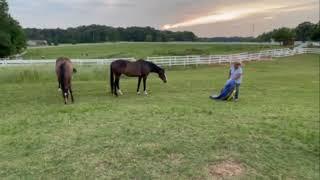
231, 89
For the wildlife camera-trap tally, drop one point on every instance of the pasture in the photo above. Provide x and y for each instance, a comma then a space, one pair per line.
139, 50
176, 132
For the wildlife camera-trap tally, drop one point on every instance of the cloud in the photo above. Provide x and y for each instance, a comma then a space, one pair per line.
238, 12
88, 4
203, 17
268, 18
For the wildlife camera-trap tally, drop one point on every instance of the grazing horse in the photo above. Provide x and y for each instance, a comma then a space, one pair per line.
139, 68
64, 71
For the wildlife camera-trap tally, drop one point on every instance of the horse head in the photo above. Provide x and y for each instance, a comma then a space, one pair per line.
162, 75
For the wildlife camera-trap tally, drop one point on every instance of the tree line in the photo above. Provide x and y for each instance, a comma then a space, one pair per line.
12, 37
101, 33
305, 31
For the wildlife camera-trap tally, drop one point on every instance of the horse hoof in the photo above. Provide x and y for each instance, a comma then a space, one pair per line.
138, 93
120, 92
146, 93
59, 89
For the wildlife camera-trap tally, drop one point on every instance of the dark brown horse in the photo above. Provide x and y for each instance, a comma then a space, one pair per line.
64, 71
139, 68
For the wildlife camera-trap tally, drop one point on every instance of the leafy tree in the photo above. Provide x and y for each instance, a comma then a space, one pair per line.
12, 38
5, 44
3, 8
315, 36
265, 37
304, 31
284, 35
149, 38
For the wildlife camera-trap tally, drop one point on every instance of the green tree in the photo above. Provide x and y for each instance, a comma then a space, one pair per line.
284, 35
315, 36
304, 31
12, 38
265, 37
149, 38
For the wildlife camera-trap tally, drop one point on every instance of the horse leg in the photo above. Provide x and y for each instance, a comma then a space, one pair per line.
115, 85
72, 100
64, 96
59, 84
138, 88
145, 85
118, 85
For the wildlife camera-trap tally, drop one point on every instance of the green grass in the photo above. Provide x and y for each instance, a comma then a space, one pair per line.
138, 50
174, 133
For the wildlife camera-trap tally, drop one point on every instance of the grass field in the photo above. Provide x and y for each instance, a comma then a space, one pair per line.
139, 50
176, 132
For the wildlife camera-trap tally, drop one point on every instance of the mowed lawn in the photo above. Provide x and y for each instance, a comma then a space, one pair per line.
139, 50
176, 132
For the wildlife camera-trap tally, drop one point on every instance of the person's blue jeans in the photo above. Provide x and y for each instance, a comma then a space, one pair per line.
237, 91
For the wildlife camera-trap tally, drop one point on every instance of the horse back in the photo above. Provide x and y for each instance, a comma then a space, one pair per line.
129, 68
66, 62
65, 65
134, 69
125, 67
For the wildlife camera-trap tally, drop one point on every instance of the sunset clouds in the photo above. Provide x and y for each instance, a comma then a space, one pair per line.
241, 11
204, 17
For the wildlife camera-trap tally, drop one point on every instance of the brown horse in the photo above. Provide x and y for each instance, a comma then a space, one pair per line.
64, 71
139, 68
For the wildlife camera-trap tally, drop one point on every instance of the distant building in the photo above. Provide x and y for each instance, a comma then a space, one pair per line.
37, 43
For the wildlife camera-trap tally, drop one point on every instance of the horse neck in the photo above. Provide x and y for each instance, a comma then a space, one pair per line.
154, 68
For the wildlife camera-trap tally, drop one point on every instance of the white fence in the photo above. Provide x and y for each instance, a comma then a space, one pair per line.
217, 59
53, 61
181, 60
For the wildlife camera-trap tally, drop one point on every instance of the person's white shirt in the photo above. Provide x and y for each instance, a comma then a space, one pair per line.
234, 73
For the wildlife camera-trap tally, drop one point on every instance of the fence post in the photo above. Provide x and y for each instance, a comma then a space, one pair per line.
197, 61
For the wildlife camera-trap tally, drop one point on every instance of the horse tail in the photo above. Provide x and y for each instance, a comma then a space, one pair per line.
62, 76
111, 79
74, 70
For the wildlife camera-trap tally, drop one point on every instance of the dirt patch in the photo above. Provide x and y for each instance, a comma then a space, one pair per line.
226, 169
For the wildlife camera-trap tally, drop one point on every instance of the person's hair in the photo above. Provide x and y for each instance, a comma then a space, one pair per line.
237, 63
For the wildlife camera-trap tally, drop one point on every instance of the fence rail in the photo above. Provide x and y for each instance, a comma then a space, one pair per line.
181, 60
53, 61
217, 59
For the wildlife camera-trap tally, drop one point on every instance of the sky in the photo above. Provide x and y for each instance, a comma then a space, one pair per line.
206, 18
